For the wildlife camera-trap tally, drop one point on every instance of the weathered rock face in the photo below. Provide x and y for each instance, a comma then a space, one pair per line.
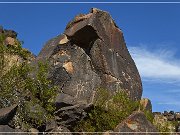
146, 104
6, 114
6, 130
136, 122
91, 53
97, 34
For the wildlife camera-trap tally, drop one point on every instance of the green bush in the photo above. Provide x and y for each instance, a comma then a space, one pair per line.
42, 88
149, 115
13, 49
17, 86
109, 110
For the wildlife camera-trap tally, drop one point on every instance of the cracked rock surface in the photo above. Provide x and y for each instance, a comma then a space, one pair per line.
91, 53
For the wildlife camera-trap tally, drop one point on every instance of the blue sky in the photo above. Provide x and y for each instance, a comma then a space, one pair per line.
151, 31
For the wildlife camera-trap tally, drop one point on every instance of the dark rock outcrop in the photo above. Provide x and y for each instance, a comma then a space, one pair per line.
136, 122
91, 53
6, 114
6, 130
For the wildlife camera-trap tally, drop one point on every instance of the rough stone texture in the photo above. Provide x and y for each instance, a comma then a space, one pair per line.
10, 41
68, 116
59, 130
6, 114
90, 54
136, 122
6, 130
146, 104
103, 41
33, 131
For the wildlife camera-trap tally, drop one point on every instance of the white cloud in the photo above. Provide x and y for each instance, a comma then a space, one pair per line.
156, 65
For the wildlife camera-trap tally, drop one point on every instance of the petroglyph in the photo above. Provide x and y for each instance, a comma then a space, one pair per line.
80, 89
118, 87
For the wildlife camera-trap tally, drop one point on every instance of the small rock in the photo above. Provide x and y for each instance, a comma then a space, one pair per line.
9, 41
177, 115
64, 40
50, 125
171, 112
33, 131
165, 113
60, 130
170, 117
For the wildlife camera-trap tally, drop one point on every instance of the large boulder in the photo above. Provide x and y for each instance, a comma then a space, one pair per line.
136, 122
91, 53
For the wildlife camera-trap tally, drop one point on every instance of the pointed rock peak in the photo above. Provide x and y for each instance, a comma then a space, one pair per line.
95, 10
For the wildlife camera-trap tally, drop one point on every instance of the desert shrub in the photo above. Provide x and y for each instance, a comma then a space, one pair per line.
18, 86
163, 128
42, 88
108, 111
149, 115
13, 85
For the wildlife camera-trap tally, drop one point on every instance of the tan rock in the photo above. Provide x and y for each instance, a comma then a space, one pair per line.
146, 104
10, 41
69, 67
63, 40
33, 131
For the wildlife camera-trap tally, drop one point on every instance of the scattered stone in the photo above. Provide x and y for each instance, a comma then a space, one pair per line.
163, 123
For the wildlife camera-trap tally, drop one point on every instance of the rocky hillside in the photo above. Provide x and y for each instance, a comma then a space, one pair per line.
83, 80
